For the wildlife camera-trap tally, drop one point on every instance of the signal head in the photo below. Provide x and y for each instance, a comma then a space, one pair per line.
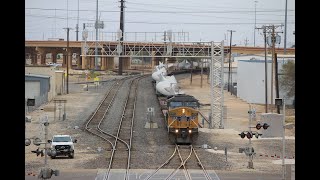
265, 126
258, 126
242, 135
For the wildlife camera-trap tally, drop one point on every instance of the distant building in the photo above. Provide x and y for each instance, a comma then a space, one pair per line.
43, 83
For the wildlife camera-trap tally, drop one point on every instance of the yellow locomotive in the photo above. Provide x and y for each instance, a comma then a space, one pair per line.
182, 118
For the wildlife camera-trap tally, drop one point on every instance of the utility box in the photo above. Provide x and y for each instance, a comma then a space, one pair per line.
276, 127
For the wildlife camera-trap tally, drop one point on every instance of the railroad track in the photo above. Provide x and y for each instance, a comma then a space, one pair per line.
183, 163
119, 151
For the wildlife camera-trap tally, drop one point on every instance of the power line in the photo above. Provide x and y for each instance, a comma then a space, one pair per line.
144, 22
174, 12
220, 17
173, 6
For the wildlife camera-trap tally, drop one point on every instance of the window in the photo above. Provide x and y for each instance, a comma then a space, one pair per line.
61, 139
175, 104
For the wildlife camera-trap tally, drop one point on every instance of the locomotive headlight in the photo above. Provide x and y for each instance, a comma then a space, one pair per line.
190, 131
177, 130
183, 110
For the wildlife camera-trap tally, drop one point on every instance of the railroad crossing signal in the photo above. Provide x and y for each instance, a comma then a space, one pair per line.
38, 152
242, 135
249, 135
265, 126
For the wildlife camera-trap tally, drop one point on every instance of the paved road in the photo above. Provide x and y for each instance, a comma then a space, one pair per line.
97, 174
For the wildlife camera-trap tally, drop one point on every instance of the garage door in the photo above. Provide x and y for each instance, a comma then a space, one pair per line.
32, 89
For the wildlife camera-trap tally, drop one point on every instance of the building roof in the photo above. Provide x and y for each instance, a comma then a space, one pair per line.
37, 75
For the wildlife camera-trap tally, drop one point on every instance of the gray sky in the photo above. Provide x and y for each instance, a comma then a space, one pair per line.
204, 20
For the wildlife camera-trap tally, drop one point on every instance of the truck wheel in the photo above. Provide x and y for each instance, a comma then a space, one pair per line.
71, 155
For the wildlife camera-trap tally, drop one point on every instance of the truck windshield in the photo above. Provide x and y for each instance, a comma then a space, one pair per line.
61, 139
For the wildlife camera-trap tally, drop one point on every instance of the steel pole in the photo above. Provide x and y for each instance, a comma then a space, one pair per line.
250, 163
255, 17
285, 30
68, 60
45, 140
96, 48
265, 68
283, 140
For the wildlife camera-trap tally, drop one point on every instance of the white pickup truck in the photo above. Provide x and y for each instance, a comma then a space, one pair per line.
62, 145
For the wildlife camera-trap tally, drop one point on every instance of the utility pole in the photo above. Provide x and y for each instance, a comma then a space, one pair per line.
276, 80
96, 48
246, 42
67, 13
229, 75
285, 30
255, 18
265, 67
274, 40
122, 32
272, 66
201, 72
270, 30
68, 29
77, 27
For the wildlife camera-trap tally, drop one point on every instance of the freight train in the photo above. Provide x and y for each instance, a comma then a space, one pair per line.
180, 110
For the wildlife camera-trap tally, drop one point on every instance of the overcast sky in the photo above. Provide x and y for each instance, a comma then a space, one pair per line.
201, 20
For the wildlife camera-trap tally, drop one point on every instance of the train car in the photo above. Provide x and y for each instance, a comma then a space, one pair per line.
181, 117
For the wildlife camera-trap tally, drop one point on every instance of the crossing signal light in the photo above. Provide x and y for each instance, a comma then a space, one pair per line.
38, 152
249, 135
242, 135
265, 126
258, 126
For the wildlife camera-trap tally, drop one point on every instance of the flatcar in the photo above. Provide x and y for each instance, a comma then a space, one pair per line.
181, 118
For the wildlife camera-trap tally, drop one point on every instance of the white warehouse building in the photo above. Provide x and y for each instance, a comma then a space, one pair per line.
251, 81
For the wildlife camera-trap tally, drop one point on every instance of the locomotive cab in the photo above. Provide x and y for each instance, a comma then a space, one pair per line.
182, 119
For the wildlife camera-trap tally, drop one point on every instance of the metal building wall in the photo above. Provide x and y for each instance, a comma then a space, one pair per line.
44, 89
251, 85
251, 77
